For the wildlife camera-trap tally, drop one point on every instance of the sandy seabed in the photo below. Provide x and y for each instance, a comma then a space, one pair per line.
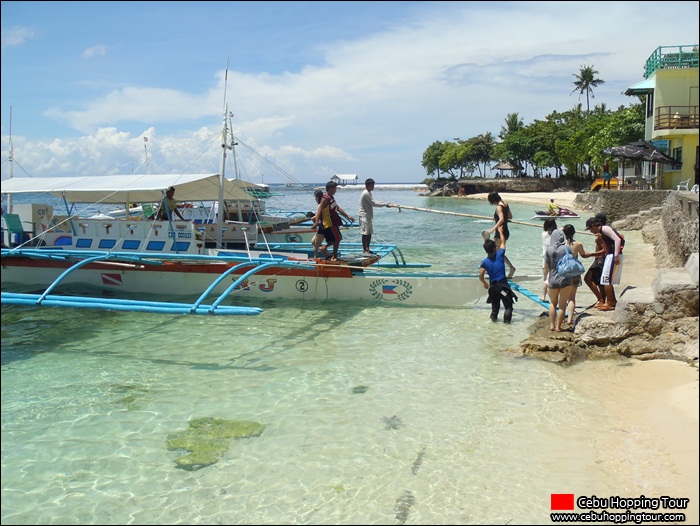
654, 437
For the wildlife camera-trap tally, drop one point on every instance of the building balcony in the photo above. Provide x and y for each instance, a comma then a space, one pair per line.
676, 118
672, 57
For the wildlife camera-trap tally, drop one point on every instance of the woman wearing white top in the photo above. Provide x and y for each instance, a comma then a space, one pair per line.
549, 226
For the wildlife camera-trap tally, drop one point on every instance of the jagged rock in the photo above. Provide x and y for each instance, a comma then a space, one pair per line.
656, 322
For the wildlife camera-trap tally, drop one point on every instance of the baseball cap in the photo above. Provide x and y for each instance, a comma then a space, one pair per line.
589, 222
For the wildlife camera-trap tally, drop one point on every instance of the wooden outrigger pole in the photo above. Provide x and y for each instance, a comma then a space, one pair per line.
462, 214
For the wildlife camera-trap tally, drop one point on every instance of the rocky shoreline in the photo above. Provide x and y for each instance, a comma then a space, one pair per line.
656, 321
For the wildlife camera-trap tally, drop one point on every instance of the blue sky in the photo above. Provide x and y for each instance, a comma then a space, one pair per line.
316, 88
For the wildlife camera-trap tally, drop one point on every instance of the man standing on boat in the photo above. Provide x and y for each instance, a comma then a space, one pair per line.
366, 214
329, 213
169, 206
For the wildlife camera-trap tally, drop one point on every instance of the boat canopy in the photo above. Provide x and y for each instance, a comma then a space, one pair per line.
129, 188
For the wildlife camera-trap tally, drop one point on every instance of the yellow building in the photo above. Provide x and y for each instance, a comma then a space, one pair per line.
672, 119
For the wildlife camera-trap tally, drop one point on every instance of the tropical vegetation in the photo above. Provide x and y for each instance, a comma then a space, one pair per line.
564, 144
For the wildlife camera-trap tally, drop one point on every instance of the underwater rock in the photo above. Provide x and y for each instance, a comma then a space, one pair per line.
403, 506
418, 462
208, 438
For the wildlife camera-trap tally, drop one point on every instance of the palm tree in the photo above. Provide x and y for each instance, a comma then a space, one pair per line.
585, 82
513, 124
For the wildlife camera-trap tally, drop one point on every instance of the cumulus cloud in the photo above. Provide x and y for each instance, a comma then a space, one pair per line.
16, 36
373, 103
95, 51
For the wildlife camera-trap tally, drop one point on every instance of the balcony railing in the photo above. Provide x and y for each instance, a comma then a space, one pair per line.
669, 57
676, 117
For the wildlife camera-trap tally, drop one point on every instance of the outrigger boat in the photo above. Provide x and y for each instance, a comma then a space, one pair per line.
121, 259
214, 262
133, 257
227, 276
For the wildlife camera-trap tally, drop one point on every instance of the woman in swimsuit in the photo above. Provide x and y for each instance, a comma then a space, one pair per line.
500, 217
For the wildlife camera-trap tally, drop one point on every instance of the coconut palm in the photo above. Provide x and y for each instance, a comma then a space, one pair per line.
513, 124
585, 82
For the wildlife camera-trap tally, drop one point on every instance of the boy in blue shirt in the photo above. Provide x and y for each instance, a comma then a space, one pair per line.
499, 289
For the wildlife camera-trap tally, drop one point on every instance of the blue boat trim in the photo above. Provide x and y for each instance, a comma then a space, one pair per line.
156, 307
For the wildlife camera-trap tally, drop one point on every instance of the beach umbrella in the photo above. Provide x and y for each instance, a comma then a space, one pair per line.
642, 151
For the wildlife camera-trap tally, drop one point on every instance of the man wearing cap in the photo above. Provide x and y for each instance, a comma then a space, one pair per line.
329, 213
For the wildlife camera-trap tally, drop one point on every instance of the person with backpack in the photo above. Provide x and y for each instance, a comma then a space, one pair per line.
559, 286
577, 250
612, 265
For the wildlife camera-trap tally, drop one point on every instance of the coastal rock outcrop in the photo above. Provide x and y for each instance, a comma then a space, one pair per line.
659, 321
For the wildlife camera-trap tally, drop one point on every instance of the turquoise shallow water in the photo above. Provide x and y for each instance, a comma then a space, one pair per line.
372, 414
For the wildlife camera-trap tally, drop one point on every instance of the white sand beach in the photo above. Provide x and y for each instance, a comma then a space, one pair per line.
565, 199
654, 432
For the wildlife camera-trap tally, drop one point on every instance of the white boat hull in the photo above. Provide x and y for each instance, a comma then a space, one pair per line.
302, 283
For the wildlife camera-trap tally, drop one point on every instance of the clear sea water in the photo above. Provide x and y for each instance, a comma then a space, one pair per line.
372, 414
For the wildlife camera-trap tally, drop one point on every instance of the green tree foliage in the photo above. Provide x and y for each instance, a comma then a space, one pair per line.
431, 159
569, 142
481, 150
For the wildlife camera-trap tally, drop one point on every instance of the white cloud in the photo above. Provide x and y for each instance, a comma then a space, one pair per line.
16, 36
373, 104
95, 51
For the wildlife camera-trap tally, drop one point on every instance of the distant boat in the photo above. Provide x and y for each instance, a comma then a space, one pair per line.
563, 213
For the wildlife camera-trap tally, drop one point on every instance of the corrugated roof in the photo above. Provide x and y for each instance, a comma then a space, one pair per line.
641, 88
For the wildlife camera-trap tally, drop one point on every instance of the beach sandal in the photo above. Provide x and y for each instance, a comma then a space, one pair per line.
606, 308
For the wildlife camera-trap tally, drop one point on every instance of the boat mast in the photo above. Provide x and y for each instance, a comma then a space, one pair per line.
145, 151
12, 166
239, 212
222, 177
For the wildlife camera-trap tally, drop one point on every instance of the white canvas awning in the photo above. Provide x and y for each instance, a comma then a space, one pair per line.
128, 188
